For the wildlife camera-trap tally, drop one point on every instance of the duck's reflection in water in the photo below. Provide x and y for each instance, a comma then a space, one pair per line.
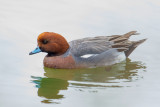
111, 76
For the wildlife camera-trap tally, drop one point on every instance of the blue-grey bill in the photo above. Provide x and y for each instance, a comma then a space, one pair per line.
37, 50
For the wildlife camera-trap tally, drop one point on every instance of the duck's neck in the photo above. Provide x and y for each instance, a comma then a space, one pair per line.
51, 54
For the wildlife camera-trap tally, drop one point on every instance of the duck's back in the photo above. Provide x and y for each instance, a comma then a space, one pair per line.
102, 50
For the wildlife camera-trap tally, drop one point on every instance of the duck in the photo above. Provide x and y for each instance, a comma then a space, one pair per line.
89, 52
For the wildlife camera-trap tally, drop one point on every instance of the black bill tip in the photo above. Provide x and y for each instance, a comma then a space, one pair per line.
31, 53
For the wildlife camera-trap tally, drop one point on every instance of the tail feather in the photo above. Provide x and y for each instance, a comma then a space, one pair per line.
127, 35
133, 46
122, 42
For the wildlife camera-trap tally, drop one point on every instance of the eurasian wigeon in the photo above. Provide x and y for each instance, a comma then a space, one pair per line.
84, 53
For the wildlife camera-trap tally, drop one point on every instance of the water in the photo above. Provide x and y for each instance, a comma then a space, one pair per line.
24, 81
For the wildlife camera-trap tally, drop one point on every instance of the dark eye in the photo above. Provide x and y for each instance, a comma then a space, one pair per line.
44, 41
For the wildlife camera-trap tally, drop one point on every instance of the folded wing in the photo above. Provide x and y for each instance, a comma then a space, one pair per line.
100, 44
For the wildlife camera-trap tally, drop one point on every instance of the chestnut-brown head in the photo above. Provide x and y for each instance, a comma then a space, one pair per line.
52, 43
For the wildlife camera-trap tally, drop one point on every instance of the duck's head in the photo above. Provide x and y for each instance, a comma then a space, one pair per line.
52, 43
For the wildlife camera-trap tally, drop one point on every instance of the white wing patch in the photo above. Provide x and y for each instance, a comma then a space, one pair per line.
88, 55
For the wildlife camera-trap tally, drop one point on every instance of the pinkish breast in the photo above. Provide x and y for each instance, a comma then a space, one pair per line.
59, 62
